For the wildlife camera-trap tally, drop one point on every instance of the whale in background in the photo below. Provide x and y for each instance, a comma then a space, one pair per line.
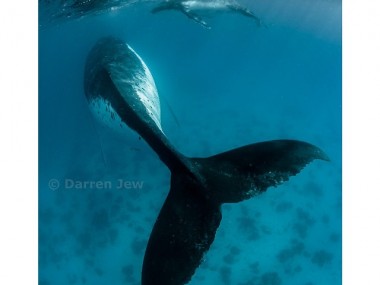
120, 90
55, 11
194, 8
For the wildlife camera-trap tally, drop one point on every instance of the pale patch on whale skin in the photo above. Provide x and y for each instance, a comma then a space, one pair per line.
143, 85
203, 5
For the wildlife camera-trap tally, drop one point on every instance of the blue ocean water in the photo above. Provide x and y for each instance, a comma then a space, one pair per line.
229, 86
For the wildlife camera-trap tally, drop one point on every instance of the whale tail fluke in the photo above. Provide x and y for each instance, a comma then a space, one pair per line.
190, 216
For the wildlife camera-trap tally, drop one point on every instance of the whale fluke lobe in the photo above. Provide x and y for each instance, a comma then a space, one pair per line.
121, 92
244, 172
183, 232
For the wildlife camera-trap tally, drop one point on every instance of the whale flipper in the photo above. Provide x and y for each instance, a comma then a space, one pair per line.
196, 18
121, 90
178, 5
244, 11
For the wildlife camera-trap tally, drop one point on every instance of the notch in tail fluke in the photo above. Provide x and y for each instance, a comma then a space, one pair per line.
121, 90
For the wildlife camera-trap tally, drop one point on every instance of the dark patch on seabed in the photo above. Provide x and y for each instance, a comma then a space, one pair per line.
228, 86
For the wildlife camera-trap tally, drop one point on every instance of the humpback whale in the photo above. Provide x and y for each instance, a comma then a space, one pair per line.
192, 9
53, 11
120, 89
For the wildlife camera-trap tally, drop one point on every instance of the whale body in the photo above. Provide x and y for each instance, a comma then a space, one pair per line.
194, 8
54, 11
118, 84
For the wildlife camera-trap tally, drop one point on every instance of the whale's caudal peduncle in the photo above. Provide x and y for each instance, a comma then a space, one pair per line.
121, 90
